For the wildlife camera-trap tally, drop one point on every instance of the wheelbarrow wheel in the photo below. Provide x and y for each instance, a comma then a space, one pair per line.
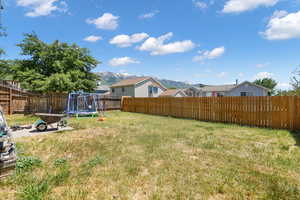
42, 127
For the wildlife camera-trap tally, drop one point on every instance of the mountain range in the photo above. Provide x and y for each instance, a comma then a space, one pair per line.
109, 78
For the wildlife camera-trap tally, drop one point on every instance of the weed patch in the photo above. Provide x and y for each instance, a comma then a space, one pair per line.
25, 164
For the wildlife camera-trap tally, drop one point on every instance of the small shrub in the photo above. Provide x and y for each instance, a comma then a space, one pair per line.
25, 164
285, 147
61, 177
60, 162
35, 191
86, 168
94, 162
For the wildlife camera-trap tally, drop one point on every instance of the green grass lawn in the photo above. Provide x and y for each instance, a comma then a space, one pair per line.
136, 156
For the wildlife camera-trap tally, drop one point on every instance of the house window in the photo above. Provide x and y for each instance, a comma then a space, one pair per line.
113, 90
150, 89
220, 94
246, 94
123, 89
155, 90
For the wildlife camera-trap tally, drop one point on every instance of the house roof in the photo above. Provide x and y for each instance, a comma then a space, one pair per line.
218, 88
134, 81
262, 87
171, 92
128, 82
225, 88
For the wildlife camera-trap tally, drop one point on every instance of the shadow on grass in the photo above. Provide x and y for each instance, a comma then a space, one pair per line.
296, 136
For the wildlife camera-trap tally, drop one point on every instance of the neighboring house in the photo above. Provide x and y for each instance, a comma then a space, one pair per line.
244, 89
173, 93
11, 83
138, 87
102, 89
193, 91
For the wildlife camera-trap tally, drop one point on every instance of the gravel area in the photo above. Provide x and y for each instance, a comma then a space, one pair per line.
34, 132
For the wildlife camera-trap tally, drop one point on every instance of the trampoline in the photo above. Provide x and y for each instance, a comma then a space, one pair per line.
82, 104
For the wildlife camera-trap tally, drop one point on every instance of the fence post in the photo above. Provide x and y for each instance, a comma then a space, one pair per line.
296, 116
292, 112
122, 103
10, 112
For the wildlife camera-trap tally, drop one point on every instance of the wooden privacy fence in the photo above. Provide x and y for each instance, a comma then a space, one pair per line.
57, 103
109, 102
51, 103
15, 100
12, 99
271, 112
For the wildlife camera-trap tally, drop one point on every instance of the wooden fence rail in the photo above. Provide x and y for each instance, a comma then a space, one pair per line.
271, 112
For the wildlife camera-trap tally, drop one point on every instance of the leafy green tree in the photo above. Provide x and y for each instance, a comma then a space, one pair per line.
2, 65
267, 83
5, 67
55, 67
295, 80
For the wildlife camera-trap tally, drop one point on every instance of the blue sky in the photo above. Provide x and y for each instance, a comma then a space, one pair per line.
198, 41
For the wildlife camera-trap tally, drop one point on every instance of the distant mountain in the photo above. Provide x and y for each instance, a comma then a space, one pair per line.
109, 78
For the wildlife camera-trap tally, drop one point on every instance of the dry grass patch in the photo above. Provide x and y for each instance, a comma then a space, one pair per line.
136, 156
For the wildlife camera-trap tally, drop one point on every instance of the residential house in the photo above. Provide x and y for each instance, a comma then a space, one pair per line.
244, 89
173, 93
138, 87
102, 89
11, 83
193, 91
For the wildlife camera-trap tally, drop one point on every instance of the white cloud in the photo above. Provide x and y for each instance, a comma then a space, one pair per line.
127, 40
222, 75
157, 46
241, 74
92, 38
262, 75
262, 65
126, 74
284, 86
107, 21
209, 55
279, 13
283, 26
237, 6
200, 4
149, 15
122, 61
42, 7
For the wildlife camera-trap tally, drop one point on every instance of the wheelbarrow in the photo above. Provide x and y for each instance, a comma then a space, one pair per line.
47, 119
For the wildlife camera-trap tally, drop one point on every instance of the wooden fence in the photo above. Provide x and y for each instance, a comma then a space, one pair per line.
57, 103
12, 99
109, 102
51, 103
271, 112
